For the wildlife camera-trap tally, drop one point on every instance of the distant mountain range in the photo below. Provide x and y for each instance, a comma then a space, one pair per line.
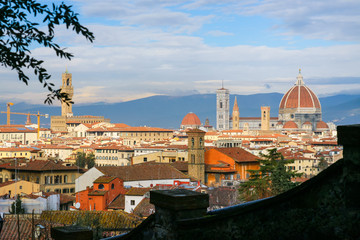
167, 111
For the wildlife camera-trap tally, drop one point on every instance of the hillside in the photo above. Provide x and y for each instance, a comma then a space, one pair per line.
167, 111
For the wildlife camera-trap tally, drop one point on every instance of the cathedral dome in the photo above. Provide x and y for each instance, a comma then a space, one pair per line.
300, 96
190, 121
300, 105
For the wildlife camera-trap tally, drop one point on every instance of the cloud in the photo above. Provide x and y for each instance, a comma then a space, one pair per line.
329, 20
218, 33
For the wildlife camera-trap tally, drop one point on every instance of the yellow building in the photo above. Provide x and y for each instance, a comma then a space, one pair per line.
52, 176
113, 155
13, 188
165, 156
20, 153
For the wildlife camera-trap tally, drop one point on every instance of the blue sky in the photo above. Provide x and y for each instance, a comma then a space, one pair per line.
177, 47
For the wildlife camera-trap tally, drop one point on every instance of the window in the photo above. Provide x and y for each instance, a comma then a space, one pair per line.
101, 186
112, 186
65, 179
192, 142
132, 202
145, 159
221, 105
192, 158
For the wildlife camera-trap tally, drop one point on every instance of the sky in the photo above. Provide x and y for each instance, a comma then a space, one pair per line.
174, 47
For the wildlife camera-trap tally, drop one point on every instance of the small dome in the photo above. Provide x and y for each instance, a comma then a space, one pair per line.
191, 120
307, 123
321, 125
290, 125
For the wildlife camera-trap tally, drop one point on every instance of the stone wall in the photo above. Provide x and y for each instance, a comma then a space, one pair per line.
325, 207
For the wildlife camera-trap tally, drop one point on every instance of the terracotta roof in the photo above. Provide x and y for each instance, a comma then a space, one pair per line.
144, 171
290, 125
16, 149
134, 191
191, 119
144, 208
40, 165
118, 202
97, 193
64, 199
238, 154
104, 179
321, 124
6, 183
108, 219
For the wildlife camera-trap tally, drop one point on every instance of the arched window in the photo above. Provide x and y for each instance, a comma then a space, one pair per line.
101, 186
192, 142
201, 142
112, 186
65, 178
68, 82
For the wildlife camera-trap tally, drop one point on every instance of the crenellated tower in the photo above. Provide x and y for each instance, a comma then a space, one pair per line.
67, 87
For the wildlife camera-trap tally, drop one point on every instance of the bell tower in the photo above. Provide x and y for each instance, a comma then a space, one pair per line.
235, 116
67, 87
265, 118
196, 154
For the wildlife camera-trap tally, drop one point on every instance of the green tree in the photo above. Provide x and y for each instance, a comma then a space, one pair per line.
90, 160
272, 178
19, 30
322, 164
83, 160
16, 207
80, 159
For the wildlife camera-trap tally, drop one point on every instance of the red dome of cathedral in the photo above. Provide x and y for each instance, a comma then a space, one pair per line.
300, 96
290, 125
190, 120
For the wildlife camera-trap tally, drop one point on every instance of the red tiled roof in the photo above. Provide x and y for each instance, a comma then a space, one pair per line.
40, 165
118, 202
238, 154
137, 191
321, 124
290, 125
144, 171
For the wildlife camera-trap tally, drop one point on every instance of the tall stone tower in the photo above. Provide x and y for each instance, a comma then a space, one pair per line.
265, 118
222, 109
196, 154
66, 108
235, 116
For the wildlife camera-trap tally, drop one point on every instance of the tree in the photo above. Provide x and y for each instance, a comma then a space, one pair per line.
16, 207
19, 29
322, 164
83, 160
272, 178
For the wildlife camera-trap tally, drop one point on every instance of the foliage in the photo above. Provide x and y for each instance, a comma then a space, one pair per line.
272, 178
323, 164
19, 21
83, 160
16, 207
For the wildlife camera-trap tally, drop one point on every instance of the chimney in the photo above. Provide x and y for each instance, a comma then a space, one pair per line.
171, 206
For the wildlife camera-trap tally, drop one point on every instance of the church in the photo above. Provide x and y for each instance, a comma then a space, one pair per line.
299, 110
